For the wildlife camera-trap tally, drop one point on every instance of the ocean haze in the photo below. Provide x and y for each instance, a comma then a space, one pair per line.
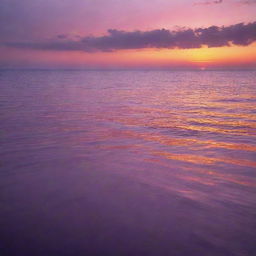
128, 163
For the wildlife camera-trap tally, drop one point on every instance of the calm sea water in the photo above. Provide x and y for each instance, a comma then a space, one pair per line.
128, 163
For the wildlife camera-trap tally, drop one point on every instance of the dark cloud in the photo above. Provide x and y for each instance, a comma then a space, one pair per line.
239, 34
62, 36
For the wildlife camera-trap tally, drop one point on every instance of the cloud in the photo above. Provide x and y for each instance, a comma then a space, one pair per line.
209, 2
247, 1
239, 34
62, 36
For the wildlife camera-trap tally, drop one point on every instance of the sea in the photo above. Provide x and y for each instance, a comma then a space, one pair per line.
127, 163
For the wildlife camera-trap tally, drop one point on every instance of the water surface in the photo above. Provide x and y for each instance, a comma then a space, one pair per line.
128, 163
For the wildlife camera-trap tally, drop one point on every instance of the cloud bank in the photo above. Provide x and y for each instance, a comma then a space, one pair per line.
239, 34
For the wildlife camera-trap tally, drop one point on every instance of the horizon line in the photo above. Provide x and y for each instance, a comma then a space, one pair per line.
129, 69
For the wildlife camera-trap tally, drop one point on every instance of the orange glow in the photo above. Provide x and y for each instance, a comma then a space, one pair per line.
195, 159
202, 58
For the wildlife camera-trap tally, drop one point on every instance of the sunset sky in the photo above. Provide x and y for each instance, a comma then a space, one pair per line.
176, 34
